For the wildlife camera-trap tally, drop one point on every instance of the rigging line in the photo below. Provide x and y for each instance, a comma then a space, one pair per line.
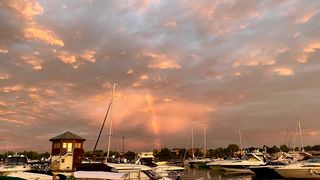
105, 118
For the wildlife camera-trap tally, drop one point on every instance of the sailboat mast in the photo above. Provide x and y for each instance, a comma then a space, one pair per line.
192, 151
205, 139
240, 140
301, 139
110, 122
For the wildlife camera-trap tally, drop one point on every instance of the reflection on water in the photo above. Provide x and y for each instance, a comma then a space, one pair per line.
198, 174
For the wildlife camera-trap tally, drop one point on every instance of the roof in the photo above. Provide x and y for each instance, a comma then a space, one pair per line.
67, 136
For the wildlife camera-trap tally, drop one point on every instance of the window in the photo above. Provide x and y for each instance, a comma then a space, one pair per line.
64, 145
77, 145
56, 145
69, 147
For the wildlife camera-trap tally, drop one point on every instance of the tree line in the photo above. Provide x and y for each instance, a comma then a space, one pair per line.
165, 154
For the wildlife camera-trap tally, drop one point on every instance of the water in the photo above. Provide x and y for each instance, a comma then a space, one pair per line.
205, 174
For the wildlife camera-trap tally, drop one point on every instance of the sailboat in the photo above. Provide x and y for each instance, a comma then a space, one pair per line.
200, 162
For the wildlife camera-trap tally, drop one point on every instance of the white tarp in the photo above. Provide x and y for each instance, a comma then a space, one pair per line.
99, 175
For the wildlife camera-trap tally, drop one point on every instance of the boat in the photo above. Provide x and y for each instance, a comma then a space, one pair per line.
241, 165
15, 163
162, 169
309, 169
99, 175
199, 162
29, 175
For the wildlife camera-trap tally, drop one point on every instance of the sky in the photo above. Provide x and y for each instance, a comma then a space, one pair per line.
223, 65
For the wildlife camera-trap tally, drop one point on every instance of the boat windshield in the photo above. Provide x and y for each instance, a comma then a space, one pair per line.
250, 157
19, 160
314, 160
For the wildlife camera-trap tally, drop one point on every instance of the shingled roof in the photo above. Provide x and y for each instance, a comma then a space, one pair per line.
67, 136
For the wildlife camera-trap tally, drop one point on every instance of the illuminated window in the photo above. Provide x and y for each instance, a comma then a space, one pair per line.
69, 147
77, 145
64, 145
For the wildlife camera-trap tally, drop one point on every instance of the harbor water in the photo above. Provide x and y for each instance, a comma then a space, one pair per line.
205, 174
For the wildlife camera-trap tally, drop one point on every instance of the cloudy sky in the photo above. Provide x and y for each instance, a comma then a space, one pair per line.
236, 65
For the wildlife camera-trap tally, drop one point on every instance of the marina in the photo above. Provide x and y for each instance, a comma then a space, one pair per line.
159, 89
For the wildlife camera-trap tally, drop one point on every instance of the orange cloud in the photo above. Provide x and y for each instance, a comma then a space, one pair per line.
19, 122
312, 47
67, 58
4, 51
164, 65
27, 9
34, 61
306, 17
45, 35
130, 71
4, 76
144, 77
160, 61
89, 56
2, 103
283, 71
171, 24
9, 89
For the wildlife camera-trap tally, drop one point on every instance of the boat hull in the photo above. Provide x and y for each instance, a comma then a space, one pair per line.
300, 173
265, 172
236, 168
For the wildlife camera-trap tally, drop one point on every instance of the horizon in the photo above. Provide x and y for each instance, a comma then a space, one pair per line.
232, 65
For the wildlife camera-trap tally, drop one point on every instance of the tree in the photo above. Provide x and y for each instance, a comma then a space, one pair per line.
130, 155
273, 149
284, 148
165, 154
232, 148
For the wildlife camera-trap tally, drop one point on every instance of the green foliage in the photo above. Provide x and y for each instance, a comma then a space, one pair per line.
284, 148
272, 150
130, 155
165, 154
232, 148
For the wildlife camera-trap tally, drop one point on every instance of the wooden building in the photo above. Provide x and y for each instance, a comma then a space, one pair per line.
67, 152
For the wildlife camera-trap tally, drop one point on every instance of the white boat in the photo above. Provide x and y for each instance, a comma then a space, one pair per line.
160, 168
30, 176
241, 165
135, 171
99, 175
15, 163
301, 170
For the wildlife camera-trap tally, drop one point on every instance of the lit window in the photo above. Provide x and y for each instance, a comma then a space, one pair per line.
69, 149
78, 145
64, 145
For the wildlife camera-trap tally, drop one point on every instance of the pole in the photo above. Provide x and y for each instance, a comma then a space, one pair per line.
205, 139
123, 145
301, 140
105, 117
192, 150
110, 122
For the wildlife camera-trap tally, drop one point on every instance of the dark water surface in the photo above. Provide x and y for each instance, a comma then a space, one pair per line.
204, 174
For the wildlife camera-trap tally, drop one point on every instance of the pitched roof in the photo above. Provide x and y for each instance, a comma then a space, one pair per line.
67, 136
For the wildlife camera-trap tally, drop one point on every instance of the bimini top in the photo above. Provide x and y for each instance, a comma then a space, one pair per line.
67, 136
